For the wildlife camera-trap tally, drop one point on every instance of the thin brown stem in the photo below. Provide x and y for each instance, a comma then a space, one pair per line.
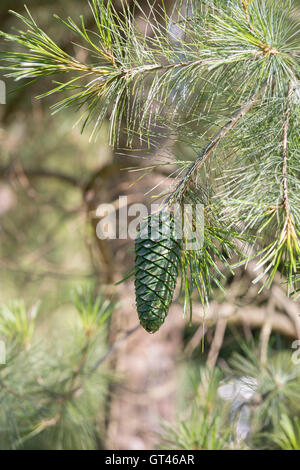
115, 346
41, 173
216, 343
164, 67
245, 5
208, 149
10, 390
266, 331
265, 48
286, 203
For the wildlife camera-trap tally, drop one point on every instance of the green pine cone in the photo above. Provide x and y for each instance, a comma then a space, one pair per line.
157, 265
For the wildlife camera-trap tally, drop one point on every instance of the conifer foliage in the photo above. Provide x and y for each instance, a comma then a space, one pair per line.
50, 395
222, 79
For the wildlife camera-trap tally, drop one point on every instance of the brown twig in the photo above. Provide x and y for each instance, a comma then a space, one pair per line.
115, 346
253, 315
245, 6
42, 173
286, 203
207, 150
216, 343
10, 390
266, 331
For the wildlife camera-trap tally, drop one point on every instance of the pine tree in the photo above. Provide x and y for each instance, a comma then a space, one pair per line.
221, 78
51, 391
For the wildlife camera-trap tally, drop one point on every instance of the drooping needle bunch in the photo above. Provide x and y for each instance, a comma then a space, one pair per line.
219, 77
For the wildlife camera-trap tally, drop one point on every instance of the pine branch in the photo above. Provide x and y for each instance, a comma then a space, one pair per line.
42, 173
115, 346
225, 56
188, 178
285, 250
245, 5
212, 47
60, 390
286, 203
10, 390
